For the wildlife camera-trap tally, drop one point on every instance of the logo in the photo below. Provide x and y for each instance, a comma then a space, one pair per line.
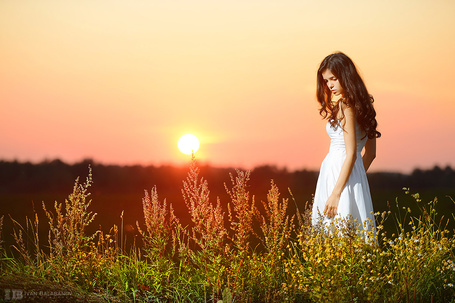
13, 294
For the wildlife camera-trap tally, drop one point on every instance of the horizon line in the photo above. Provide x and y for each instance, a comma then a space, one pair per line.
93, 161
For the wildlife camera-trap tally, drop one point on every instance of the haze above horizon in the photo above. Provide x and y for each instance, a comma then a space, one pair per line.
120, 82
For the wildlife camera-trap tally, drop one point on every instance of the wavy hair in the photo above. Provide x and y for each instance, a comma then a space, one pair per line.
355, 94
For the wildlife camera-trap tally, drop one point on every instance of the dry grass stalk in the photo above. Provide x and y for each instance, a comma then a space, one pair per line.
27, 241
67, 228
241, 217
1, 227
276, 225
159, 227
208, 231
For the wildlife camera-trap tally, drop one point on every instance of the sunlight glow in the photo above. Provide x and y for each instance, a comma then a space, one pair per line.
188, 144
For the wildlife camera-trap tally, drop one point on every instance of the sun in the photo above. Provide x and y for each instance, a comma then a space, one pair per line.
188, 144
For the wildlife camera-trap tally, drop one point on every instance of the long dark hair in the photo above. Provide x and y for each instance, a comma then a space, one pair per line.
355, 93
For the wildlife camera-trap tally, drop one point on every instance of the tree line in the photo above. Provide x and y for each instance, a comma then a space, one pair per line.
57, 176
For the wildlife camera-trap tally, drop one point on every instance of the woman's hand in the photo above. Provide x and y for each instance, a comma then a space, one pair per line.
331, 206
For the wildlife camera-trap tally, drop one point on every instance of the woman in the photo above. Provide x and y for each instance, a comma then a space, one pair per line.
342, 190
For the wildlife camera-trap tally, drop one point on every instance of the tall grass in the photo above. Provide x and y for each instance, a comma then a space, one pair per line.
245, 253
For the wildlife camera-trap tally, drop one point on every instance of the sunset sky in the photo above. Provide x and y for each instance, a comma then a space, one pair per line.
121, 81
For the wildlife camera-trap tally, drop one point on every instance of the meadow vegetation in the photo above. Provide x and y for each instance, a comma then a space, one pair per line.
249, 252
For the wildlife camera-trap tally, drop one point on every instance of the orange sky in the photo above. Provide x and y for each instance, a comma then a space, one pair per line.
121, 81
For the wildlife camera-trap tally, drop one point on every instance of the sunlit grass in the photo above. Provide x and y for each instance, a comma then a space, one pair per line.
245, 253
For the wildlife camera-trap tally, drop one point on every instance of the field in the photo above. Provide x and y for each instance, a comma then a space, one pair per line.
256, 247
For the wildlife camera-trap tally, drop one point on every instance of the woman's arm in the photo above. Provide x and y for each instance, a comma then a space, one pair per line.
370, 153
350, 142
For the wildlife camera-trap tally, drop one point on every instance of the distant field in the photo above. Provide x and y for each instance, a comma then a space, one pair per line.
109, 207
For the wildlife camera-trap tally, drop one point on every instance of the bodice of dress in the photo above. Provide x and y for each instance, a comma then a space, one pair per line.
337, 137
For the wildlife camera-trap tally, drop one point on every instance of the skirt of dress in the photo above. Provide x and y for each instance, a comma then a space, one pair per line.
355, 201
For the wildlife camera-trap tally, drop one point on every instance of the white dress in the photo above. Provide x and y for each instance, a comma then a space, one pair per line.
355, 201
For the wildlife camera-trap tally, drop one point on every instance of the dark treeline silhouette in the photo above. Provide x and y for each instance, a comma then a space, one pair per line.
58, 177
